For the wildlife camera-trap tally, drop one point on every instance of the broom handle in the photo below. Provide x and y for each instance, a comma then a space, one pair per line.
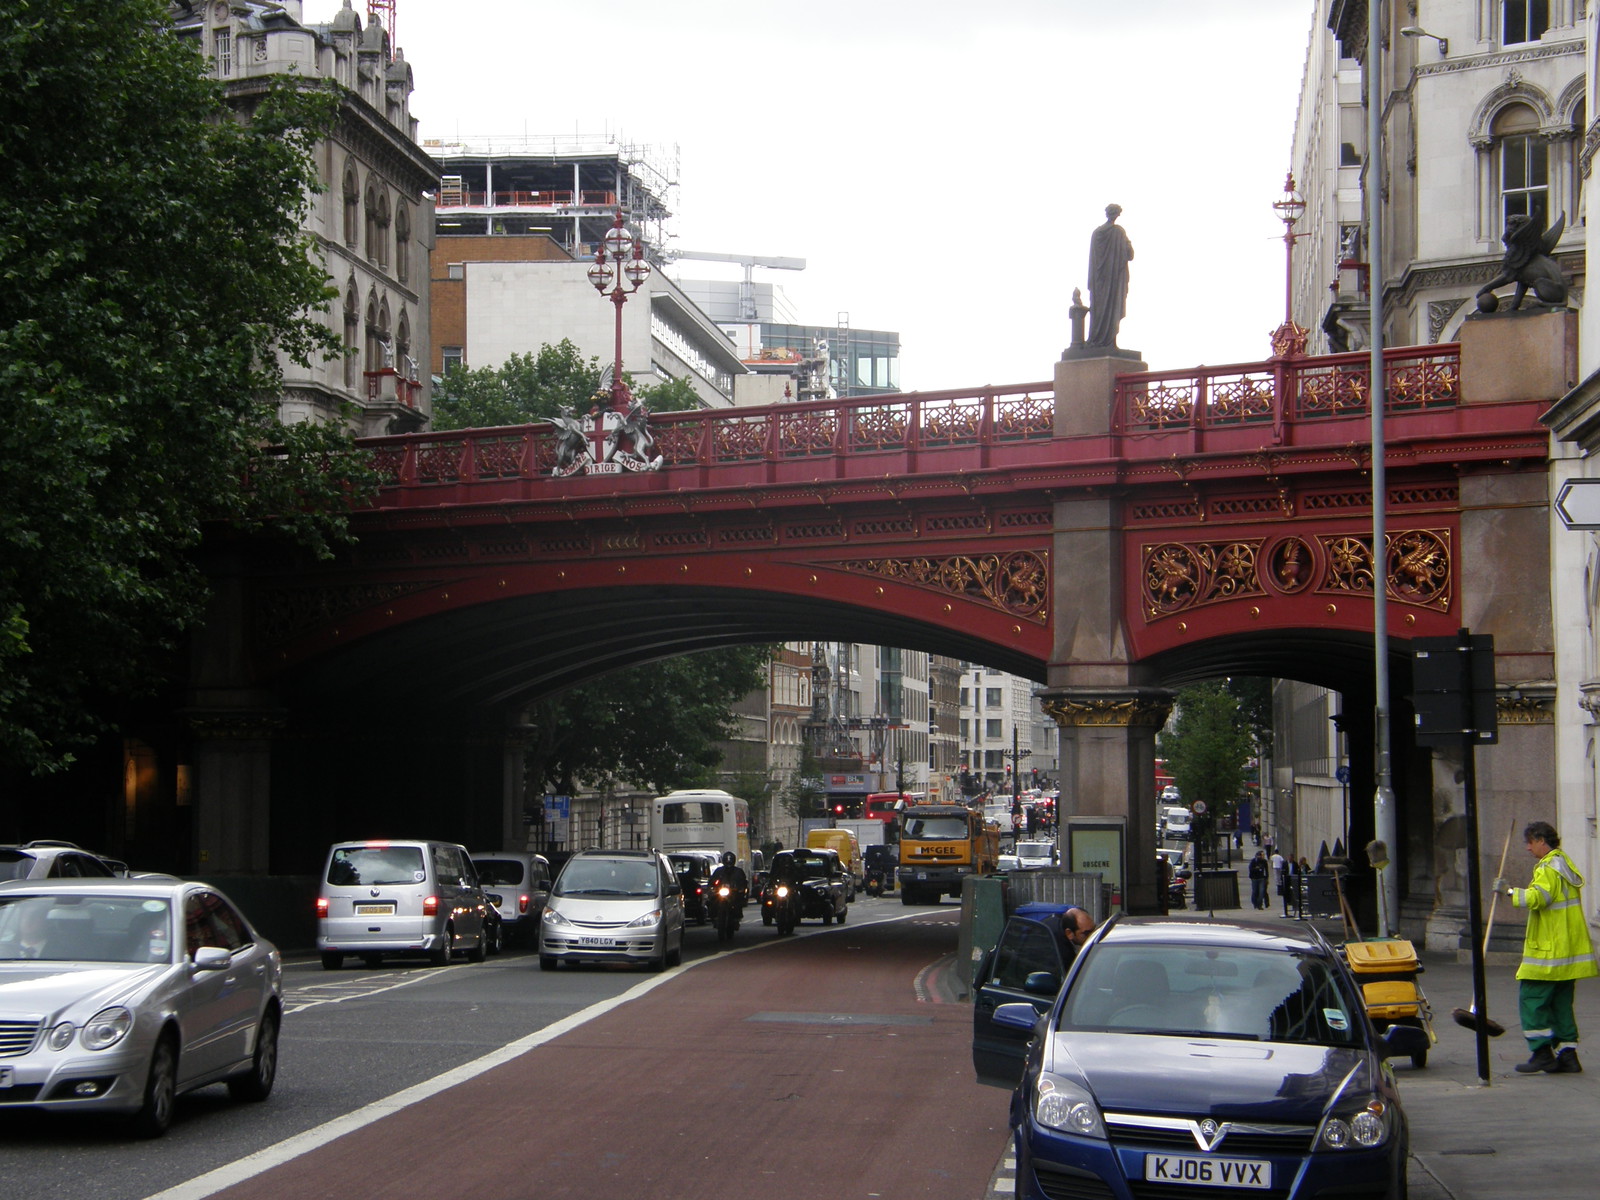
1488, 926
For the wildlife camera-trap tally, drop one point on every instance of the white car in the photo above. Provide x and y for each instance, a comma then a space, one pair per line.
116, 995
1029, 856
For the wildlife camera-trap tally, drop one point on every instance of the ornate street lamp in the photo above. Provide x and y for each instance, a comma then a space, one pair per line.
618, 262
1289, 339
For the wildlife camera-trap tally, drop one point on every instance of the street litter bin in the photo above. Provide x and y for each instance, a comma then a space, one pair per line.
1216, 889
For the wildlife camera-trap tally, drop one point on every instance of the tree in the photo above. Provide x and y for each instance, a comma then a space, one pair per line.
1208, 747
653, 727
535, 387
154, 263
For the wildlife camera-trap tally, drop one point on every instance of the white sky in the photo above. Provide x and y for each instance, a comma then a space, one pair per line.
939, 164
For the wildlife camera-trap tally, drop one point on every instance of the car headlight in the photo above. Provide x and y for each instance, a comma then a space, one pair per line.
552, 917
61, 1036
1061, 1104
106, 1028
644, 922
1360, 1129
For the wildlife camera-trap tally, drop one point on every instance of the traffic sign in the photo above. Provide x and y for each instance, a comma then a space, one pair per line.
1578, 504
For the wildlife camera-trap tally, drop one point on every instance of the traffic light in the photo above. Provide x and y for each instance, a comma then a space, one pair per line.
838, 810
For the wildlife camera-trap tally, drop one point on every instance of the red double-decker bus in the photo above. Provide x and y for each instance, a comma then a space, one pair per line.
886, 806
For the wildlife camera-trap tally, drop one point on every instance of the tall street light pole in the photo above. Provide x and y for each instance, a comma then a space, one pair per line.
1289, 339
620, 265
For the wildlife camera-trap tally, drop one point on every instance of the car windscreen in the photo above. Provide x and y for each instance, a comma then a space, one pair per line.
607, 877
688, 865
14, 864
1252, 994
371, 866
499, 872
937, 828
119, 929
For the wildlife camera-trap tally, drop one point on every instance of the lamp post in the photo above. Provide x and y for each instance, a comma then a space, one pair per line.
1289, 339
619, 265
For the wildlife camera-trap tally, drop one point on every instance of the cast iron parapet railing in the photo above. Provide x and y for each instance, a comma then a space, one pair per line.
1287, 390
898, 423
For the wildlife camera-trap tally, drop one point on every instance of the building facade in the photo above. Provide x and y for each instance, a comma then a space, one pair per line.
372, 224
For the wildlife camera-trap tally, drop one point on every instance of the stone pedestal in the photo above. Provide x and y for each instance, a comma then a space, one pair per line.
1086, 386
1530, 354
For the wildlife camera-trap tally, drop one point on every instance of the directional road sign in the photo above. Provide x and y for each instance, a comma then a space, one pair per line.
1578, 504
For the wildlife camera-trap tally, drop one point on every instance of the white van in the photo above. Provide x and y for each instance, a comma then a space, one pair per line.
1176, 822
400, 897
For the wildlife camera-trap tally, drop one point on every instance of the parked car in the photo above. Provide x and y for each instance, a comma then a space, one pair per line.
1225, 1054
116, 995
693, 870
517, 883
400, 897
613, 906
55, 860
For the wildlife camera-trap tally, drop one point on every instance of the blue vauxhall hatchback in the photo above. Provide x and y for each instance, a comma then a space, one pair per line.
1187, 1059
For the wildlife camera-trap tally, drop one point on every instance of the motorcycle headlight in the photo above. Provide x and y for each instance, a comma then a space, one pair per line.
1061, 1104
644, 922
552, 917
1364, 1128
781, 890
106, 1028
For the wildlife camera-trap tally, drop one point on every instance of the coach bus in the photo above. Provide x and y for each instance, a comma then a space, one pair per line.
701, 820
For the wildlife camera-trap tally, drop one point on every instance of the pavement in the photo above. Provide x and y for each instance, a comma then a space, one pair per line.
1514, 1135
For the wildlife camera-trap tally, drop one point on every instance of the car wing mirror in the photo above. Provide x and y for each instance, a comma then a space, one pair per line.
1042, 983
1022, 1017
211, 958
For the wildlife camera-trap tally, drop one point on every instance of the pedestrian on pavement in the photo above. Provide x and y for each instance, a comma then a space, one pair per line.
1556, 953
1258, 880
1280, 875
1255, 831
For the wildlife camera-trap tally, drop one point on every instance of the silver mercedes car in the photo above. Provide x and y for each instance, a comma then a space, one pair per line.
117, 995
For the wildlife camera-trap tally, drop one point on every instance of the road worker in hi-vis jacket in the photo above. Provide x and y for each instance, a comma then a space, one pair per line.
1555, 953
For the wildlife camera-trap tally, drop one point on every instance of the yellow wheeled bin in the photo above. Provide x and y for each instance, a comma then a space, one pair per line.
1387, 971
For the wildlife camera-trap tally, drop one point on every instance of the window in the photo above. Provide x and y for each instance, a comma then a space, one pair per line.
352, 205
352, 331
450, 358
222, 51
457, 271
1523, 20
1524, 168
993, 729
992, 698
402, 243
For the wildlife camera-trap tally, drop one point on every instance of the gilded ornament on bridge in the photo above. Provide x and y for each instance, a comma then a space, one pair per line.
1419, 568
1018, 583
1136, 712
1178, 576
1349, 568
1289, 564
1161, 404
807, 432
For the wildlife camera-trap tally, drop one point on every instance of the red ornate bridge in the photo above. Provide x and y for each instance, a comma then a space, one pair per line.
1110, 536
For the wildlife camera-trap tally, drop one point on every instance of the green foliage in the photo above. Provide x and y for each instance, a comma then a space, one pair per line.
1208, 747
804, 795
654, 727
153, 263
1254, 694
535, 387
525, 388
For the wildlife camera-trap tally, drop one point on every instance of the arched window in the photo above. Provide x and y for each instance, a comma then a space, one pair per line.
403, 362
377, 335
402, 243
352, 205
372, 223
352, 332
1523, 164
383, 229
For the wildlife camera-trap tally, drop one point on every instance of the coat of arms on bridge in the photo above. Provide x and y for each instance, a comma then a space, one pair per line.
606, 442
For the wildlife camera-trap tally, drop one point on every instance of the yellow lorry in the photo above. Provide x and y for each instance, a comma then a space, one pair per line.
940, 845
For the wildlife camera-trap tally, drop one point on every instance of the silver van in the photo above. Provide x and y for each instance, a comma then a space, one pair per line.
517, 883
613, 906
400, 897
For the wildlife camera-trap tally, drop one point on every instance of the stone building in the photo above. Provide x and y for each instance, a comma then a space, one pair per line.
372, 224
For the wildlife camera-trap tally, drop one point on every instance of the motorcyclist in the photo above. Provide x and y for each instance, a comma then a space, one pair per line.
731, 873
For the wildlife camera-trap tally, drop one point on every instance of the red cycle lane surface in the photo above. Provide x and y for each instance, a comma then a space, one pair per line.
806, 1068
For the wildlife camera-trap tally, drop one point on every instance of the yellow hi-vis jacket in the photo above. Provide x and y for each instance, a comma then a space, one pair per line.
1557, 944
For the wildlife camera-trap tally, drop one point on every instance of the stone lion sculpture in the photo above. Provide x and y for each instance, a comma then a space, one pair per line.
1527, 263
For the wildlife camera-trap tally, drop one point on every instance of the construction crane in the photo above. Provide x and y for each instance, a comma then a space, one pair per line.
385, 10
747, 289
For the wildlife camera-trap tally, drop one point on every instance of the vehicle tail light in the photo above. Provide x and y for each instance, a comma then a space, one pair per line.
522, 904
322, 907
430, 906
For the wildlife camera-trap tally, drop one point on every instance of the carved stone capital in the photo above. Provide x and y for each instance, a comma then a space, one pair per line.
1525, 706
236, 724
1144, 708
